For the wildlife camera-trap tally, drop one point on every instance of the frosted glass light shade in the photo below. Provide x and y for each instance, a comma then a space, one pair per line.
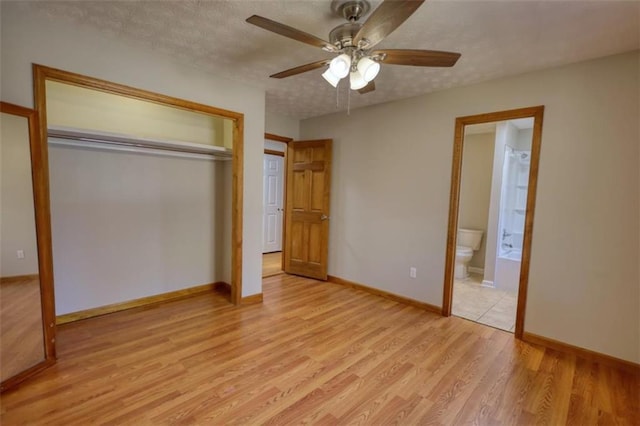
368, 68
331, 78
340, 65
356, 80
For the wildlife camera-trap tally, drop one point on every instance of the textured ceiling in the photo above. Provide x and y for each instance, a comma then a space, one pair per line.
496, 39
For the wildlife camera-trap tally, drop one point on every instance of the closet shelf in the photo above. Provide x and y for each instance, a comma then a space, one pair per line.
130, 142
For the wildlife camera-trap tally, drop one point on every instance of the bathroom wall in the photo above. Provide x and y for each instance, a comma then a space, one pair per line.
524, 137
505, 134
475, 187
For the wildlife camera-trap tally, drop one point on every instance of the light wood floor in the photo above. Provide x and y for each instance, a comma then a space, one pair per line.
271, 264
312, 352
21, 337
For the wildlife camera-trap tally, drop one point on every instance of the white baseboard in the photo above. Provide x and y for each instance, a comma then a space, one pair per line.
476, 270
486, 283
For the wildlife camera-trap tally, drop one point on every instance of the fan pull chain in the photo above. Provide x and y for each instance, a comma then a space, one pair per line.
348, 100
337, 95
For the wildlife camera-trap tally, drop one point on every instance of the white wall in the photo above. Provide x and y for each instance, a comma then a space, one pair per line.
29, 37
127, 225
475, 188
275, 145
17, 223
524, 139
281, 125
82, 108
391, 182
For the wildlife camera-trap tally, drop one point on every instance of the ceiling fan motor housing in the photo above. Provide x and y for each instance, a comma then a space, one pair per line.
342, 35
351, 10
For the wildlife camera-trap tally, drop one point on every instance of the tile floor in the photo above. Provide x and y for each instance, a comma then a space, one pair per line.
486, 305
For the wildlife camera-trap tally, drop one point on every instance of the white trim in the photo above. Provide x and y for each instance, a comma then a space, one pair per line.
486, 283
476, 270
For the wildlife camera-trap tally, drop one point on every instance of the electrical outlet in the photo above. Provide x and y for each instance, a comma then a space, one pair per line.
412, 272
20, 254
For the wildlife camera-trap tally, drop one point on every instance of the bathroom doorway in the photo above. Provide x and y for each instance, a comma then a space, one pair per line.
492, 202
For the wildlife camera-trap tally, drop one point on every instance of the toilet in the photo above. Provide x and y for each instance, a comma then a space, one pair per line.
468, 241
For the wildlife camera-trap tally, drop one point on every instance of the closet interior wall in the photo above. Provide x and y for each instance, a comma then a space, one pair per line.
133, 224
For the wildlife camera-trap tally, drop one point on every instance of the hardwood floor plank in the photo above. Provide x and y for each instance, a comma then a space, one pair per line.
212, 396
479, 407
452, 392
396, 410
377, 393
20, 325
313, 352
271, 264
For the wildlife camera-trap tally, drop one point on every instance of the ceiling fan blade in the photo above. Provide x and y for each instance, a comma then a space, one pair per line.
301, 69
385, 19
418, 58
368, 88
290, 32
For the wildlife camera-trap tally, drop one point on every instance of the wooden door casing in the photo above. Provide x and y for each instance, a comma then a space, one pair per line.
307, 209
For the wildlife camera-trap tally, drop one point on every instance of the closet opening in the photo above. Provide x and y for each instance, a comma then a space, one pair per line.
146, 194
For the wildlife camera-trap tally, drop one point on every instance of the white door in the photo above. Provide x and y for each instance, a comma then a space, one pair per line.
273, 203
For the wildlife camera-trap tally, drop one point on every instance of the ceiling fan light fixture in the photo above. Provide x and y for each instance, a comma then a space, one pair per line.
352, 42
356, 80
368, 68
331, 78
340, 65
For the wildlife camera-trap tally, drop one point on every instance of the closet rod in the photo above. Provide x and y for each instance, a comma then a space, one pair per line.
118, 140
101, 146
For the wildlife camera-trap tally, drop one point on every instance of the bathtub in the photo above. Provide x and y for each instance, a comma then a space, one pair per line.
507, 273
512, 255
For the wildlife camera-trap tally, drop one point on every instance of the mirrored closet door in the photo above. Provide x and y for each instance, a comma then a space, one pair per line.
26, 308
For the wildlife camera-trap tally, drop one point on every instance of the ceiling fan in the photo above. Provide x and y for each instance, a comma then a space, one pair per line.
353, 43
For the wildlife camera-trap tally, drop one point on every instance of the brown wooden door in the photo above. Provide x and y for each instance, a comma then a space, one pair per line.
307, 208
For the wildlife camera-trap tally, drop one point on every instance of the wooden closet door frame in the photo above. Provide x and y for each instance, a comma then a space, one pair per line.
42, 73
40, 178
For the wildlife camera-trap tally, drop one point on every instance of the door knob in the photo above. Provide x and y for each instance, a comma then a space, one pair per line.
324, 217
